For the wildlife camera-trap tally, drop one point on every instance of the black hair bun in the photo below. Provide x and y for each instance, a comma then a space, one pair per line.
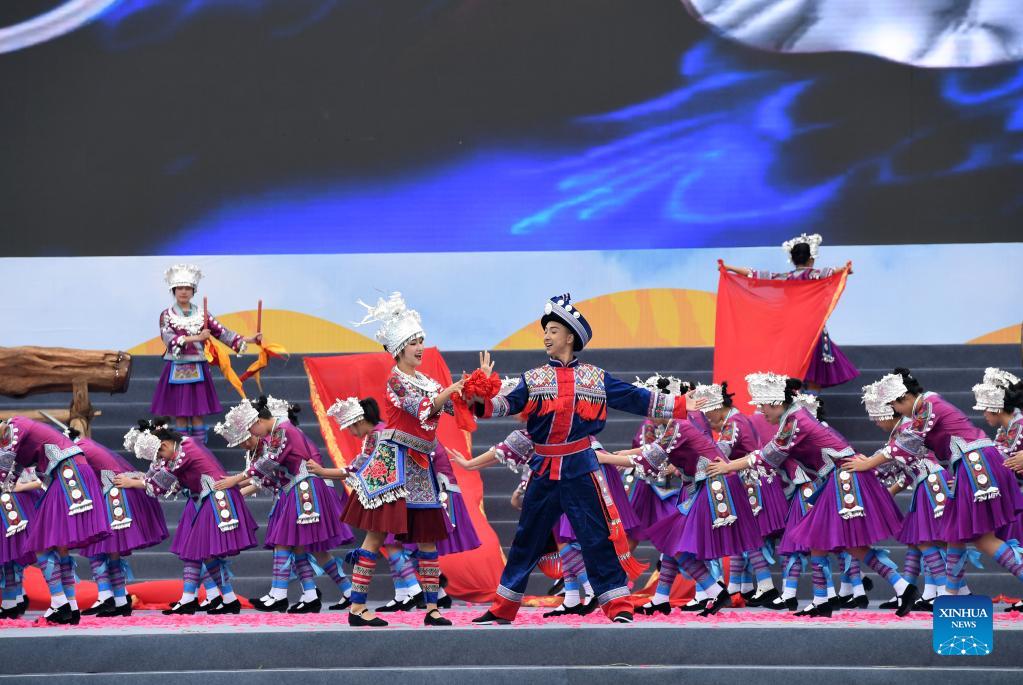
800, 254
662, 384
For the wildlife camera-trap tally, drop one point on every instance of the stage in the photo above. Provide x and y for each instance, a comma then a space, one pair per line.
861, 646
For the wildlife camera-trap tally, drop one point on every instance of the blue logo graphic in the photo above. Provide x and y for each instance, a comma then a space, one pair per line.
963, 626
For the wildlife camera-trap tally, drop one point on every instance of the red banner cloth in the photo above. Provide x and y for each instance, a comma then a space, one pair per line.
472, 576
769, 325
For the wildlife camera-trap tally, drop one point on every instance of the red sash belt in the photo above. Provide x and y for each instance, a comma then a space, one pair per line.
553, 454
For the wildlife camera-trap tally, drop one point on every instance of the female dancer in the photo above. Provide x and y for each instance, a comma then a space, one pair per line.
851, 510
69, 515
305, 521
216, 526
185, 389
829, 366
18, 506
404, 498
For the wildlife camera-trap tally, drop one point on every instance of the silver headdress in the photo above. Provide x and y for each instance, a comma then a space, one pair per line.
399, 325
808, 401
876, 409
813, 241
235, 426
183, 275
711, 395
346, 412
890, 388
142, 443
766, 388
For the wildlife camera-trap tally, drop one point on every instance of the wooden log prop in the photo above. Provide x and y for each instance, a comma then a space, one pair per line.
33, 370
62, 415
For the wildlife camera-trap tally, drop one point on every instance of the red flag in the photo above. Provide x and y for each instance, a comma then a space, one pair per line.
471, 575
769, 325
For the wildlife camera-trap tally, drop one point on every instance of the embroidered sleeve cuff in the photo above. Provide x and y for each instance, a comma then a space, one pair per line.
726, 448
424, 410
161, 482
907, 446
651, 461
771, 454
663, 406
264, 467
515, 451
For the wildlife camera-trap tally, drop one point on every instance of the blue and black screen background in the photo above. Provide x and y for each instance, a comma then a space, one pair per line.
311, 126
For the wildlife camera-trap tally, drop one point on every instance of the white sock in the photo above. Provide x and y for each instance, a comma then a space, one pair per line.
701, 595
942, 590
186, 597
103, 595
57, 601
900, 586
8, 603
230, 597
831, 591
733, 588
120, 601
214, 592
401, 594
308, 595
765, 585
659, 598
413, 589
930, 591
571, 598
965, 590
820, 600
788, 593
858, 591
846, 589
745, 587
74, 604
588, 589
278, 593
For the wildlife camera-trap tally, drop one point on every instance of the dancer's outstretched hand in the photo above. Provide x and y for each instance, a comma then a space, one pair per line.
486, 364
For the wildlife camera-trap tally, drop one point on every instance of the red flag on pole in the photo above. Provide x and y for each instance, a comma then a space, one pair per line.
769, 325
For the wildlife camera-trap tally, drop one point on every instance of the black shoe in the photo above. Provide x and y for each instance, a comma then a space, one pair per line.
444, 602
357, 621
868, 584
218, 601
890, 604
61, 616
179, 609
924, 605
622, 617
906, 600
695, 605
443, 581
815, 611
116, 611
21, 608
234, 607
279, 605
779, 604
393, 606
9, 613
342, 605
106, 604
836, 603
1017, 607
856, 602
574, 610
488, 619
416, 601
590, 605
312, 607
76, 617
764, 598
558, 588
433, 618
717, 603
649, 609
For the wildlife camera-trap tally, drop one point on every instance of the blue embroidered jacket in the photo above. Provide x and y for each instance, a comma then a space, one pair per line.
564, 404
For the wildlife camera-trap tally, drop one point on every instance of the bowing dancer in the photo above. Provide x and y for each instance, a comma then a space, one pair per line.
850, 510
305, 521
565, 403
185, 389
828, 366
18, 503
397, 489
214, 525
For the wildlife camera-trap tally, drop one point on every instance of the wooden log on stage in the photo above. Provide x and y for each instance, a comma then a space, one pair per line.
33, 370
62, 415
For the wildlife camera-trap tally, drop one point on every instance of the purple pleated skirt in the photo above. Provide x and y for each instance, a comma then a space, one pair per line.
649, 508
54, 526
461, 533
147, 527
966, 519
823, 528
920, 525
795, 514
16, 548
284, 530
633, 526
695, 533
774, 507
828, 374
198, 537
185, 399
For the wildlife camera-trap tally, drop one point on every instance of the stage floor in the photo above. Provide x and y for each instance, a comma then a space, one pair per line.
256, 649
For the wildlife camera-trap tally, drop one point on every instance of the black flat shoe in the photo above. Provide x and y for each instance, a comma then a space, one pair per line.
234, 607
279, 605
394, 606
342, 605
590, 606
357, 621
96, 608
856, 602
21, 607
649, 609
622, 617
906, 600
836, 603
815, 611
216, 602
179, 609
444, 602
61, 616
924, 605
433, 618
750, 598
868, 584
717, 603
116, 611
695, 605
416, 601
312, 607
1017, 607
488, 619
558, 588
890, 604
575, 610
779, 604
76, 617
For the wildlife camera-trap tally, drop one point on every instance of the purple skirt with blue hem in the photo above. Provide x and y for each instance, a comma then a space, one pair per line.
185, 399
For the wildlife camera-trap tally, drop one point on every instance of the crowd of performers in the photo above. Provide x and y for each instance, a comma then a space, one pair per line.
703, 482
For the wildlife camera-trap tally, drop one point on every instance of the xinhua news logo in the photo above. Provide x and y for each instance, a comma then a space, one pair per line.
963, 626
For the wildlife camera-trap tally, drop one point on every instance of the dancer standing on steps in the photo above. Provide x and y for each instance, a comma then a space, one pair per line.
565, 403
305, 522
185, 390
851, 510
397, 489
214, 525
1001, 399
